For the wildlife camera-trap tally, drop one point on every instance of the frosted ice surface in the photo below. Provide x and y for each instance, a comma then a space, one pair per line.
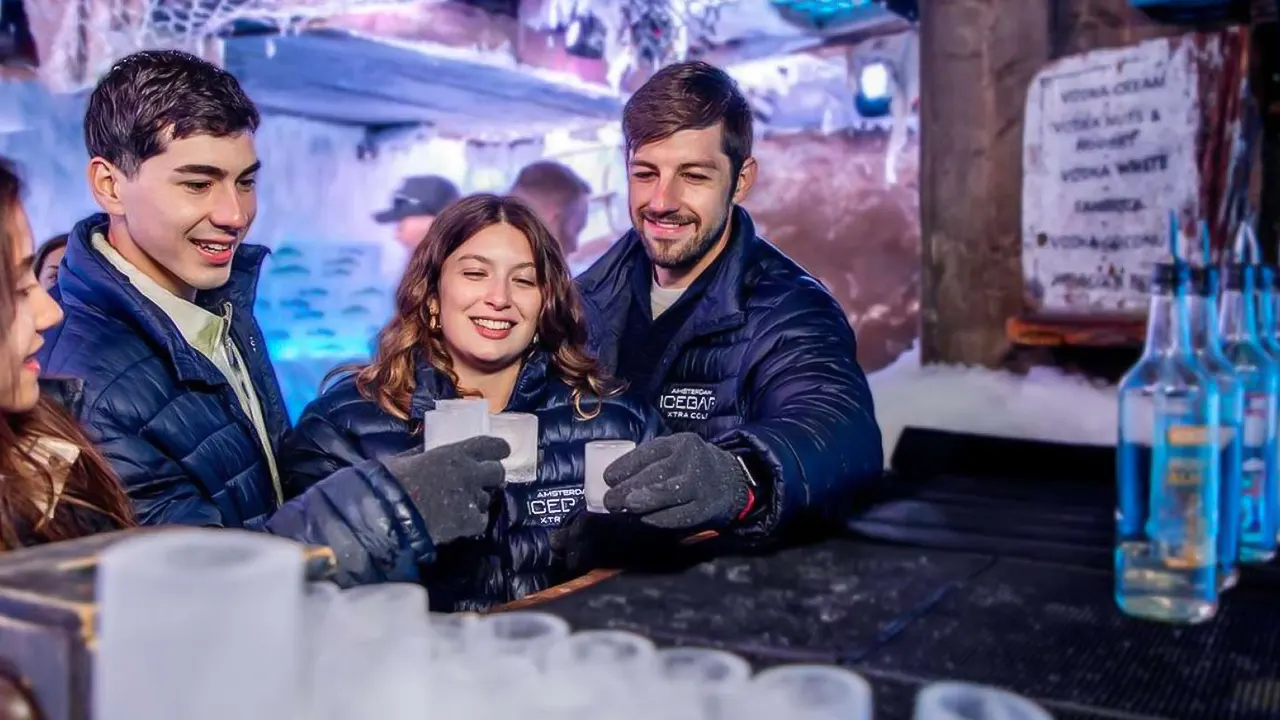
1044, 405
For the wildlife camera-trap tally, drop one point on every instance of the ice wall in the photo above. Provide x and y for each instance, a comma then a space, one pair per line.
42, 133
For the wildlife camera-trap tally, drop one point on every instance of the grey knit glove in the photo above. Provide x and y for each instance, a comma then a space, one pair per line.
452, 485
678, 482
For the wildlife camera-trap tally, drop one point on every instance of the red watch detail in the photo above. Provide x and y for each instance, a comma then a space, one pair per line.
751, 503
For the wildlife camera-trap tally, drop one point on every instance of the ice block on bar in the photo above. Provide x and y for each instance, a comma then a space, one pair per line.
200, 625
526, 634
965, 701
386, 610
810, 692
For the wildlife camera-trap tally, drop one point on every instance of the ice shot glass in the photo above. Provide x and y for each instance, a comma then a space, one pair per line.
520, 430
454, 421
599, 455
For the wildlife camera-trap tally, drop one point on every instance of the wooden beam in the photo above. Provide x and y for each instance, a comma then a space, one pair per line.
976, 60
1102, 331
1079, 26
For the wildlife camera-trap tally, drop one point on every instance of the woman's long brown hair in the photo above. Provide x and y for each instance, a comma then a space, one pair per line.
25, 482
389, 379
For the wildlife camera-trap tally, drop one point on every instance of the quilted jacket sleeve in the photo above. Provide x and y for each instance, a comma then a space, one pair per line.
340, 498
364, 515
813, 432
314, 450
161, 491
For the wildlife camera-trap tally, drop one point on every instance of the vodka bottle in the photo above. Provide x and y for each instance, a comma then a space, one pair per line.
1257, 370
1273, 328
1268, 326
1167, 465
1264, 298
1207, 347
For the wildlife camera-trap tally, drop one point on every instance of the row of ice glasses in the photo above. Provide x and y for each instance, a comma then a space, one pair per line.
211, 624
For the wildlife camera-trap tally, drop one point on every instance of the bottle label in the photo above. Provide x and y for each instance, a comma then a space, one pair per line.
1183, 526
1255, 420
1253, 469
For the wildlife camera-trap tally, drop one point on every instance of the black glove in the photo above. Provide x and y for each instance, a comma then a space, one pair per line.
586, 541
678, 482
452, 485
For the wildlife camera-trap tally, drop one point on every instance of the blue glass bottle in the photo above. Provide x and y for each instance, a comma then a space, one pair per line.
1238, 325
1265, 298
1274, 307
1207, 346
1167, 467
1268, 324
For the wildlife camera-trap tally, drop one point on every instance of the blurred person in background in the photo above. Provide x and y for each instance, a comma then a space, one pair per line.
48, 258
559, 197
180, 396
486, 309
54, 485
415, 206
749, 359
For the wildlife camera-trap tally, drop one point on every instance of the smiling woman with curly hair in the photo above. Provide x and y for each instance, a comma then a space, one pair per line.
486, 309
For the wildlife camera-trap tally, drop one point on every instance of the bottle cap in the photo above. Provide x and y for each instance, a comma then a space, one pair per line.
1204, 280
1234, 275
1168, 276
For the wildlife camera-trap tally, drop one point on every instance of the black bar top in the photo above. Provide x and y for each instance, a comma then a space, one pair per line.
994, 580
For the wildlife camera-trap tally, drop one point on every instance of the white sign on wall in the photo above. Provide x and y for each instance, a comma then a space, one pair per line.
1109, 150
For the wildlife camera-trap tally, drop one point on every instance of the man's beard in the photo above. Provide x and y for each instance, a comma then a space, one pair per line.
683, 254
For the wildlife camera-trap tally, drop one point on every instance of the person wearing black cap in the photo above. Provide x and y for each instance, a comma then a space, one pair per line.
415, 206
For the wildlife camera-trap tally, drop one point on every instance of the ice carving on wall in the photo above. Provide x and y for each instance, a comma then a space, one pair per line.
320, 305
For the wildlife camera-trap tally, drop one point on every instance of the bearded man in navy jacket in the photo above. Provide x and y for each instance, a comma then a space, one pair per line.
749, 358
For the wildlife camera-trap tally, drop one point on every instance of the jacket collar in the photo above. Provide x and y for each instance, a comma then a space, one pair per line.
432, 385
607, 288
89, 280
68, 393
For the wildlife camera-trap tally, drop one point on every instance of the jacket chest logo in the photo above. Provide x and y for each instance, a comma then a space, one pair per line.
548, 507
686, 401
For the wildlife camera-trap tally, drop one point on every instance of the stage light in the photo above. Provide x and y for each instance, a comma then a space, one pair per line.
875, 95
874, 81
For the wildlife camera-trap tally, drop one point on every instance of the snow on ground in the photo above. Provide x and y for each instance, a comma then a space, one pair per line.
1046, 404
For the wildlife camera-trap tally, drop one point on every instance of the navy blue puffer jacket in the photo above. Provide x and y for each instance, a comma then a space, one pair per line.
171, 427
162, 413
343, 428
765, 366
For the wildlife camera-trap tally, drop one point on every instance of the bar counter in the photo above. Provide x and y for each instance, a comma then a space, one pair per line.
981, 577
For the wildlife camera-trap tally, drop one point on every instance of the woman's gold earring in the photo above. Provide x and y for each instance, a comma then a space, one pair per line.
434, 322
